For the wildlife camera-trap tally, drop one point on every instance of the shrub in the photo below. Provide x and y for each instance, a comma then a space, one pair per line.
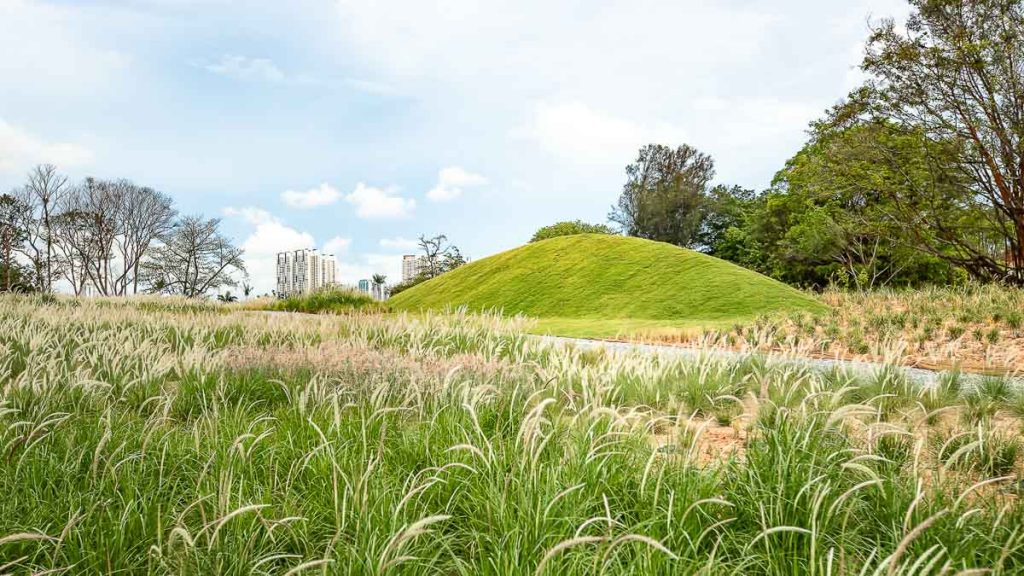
569, 228
328, 300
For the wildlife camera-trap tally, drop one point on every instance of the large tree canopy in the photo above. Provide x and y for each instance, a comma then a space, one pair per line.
955, 76
663, 193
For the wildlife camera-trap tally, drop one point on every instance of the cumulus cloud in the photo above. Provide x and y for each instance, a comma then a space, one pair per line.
450, 183
379, 204
268, 237
247, 69
399, 243
20, 150
322, 195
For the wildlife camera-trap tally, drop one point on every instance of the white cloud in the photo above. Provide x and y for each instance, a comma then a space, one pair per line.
322, 195
247, 69
576, 132
268, 237
20, 150
337, 246
450, 183
399, 244
379, 204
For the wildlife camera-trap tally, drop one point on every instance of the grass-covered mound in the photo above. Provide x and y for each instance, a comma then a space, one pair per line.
600, 285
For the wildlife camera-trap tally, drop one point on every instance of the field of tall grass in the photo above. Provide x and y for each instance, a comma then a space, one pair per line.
973, 328
160, 436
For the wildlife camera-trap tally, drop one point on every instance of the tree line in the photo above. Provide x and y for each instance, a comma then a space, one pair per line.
916, 177
108, 237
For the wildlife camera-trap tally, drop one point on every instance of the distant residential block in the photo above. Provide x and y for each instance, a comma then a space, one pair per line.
304, 271
412, 266
364, 286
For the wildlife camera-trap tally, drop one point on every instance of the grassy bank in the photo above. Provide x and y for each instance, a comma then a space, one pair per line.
150, 441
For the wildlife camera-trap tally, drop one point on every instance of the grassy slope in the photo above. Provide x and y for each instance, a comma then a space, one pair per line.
598, 285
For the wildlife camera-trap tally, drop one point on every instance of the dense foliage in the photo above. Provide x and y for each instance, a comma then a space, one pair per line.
570, 227
916, 179
954, 76
662, 197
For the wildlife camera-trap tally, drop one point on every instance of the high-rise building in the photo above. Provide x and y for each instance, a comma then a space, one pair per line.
304, 271
364, 286
412, 266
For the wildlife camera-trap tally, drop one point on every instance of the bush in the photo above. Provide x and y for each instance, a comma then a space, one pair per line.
328, 300
405, 285
569, 228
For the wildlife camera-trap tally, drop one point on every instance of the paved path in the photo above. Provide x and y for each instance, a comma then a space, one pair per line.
921, 376
918, 375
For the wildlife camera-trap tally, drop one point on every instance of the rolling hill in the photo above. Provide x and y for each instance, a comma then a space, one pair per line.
602, 285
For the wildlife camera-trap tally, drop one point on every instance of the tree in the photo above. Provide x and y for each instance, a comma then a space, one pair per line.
569, 228
43, 195
841, 208
723, 209
439, 256
15, 215
453, 258
954, 76
246, 288
378, 285
73, 242
145, 215
227, 297
192, 259
662, 197
105, 228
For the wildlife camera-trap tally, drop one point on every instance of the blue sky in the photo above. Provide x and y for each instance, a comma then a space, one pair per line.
359, 125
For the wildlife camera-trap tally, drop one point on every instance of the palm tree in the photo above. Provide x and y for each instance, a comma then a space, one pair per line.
227, 297
246, 289
378, 286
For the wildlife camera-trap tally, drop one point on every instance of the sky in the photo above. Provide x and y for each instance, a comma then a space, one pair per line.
355, 126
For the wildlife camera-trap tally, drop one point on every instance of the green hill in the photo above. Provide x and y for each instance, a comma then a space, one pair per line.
601, 285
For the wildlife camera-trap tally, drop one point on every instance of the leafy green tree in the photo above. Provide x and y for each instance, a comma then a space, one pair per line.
829, 216
839, 213
569, 228
722, 209
662, 197
953, 76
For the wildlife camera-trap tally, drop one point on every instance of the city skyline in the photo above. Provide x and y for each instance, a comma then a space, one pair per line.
304, 271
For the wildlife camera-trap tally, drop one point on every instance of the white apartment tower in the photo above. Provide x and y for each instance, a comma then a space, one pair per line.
304, 271
412, 266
